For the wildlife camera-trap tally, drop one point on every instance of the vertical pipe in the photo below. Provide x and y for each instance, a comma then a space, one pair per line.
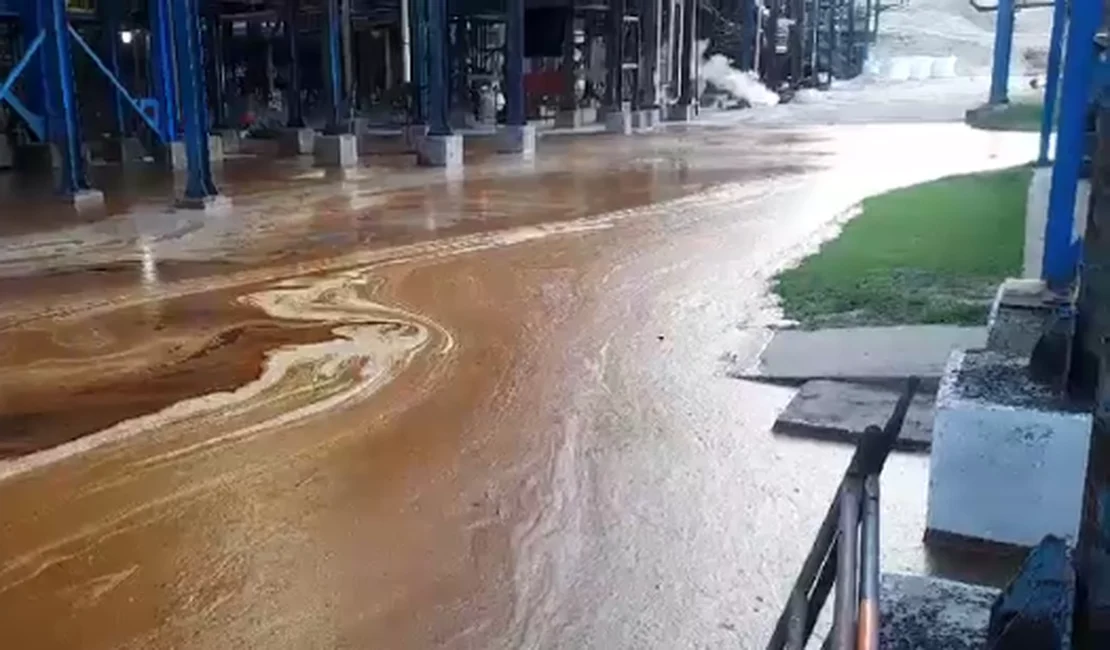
162, 68
1052, 79
194, 107
219, 68
418, 24
406, 43
847, 566
63, 125
292, 37
614, 59
332, 57
1060, 255
869, 567
686, 55
437, 68
1003, 46
514, 63
649, 53
111, 38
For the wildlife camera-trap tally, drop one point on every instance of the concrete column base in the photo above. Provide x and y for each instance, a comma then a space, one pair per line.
7, 153
296, 142
645, 118
575, 118
517, 139
618, 121
172, 156
413, 134
215, 149
231, 139
441, 151
86, 200
218, 204
336, 150
681, 113
124, 150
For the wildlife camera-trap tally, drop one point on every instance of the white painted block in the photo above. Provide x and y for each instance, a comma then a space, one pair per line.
336, 150
518, 139
441, 151
1008, 459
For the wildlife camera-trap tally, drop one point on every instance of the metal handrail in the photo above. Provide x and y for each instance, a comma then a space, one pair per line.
837, 556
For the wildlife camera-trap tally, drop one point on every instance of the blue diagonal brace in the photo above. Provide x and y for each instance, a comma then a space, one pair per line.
116, 83
36, 123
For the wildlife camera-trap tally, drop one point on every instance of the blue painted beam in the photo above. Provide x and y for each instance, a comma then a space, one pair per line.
189, 59
334, 80
514, 64
162, 68
1003, 48
1061, 255
34, 122
109, 15
121, 90
1052, 79
437, 67
62, 123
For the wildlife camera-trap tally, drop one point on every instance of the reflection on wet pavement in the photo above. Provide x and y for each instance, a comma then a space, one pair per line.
398, 409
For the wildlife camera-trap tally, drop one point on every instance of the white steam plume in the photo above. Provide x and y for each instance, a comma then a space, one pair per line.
743, 85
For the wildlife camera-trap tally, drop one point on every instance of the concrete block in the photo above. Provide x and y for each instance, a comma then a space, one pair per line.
124, 150
681, 113
645, 119
1036, 217
574, 119
518, 139
215, 149
1009, 456
925, 613
840, 411
413, 134
231, 139
87, 200
441, 151
172, 155
619, 122
296, 142
218, 204
7, 153
336, 150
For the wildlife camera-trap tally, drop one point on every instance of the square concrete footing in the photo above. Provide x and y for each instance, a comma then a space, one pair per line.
336, 150
441, 151
7, 153
645, 118
86, 200
619, 122
681, 113
230, 139
215, 149
123, 150
296, 142
517, 139
1009, 455
413, 134
218, 204
575, 118
172, 155
1036, 217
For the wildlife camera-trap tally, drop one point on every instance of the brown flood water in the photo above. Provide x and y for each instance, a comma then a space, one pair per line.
399, 410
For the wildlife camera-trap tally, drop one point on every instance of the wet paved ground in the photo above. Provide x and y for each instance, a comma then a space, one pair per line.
404, 410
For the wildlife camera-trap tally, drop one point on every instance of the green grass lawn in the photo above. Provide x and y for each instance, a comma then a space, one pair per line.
1018, 116
931, 253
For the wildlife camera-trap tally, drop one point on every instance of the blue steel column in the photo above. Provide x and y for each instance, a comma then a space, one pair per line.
62, 124
514, 64
333, 82
194, 107
437, 68
1003, 46
746, 56
162, 68
35, 90
1060, 253
1052, 78
110, 22
217, 37
293, 94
